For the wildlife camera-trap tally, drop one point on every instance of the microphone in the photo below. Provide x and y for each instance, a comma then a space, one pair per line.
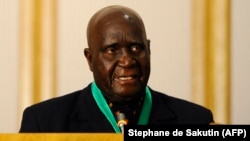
121, 121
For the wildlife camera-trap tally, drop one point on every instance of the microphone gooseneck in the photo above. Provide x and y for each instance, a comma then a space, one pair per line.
121, 121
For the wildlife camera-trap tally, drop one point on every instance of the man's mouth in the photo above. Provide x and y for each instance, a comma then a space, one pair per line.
125, 77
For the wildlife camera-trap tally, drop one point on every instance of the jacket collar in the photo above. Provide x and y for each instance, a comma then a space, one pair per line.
87, 115
160, 113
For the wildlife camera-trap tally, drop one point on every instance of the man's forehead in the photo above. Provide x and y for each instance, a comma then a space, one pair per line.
116, 9
115, 12
115, 22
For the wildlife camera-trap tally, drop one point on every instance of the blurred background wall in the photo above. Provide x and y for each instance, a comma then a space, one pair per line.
41, 53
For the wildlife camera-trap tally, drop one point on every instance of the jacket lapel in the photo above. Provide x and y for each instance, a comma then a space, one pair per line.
160, 113
87, 115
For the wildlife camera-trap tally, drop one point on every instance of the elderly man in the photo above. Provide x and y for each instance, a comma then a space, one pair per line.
118, 54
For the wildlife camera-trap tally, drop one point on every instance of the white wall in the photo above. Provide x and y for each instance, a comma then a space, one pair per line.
240, 62
8, 65
168, 26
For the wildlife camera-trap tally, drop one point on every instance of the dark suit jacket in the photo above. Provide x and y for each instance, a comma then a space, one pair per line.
78, 112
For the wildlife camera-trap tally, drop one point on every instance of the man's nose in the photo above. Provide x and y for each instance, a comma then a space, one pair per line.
126, 58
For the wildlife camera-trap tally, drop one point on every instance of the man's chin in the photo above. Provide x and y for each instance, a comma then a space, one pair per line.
127, 97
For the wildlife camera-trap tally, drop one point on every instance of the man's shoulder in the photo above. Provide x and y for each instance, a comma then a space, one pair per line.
62, 101
55, 114
183, 111
178, 103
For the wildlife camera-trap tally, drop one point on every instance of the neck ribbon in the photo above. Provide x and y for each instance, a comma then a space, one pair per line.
103, 106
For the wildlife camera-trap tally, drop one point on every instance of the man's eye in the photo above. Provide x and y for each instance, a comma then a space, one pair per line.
111, 50
135, 48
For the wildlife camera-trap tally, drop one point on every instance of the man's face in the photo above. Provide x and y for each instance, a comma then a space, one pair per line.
120, 58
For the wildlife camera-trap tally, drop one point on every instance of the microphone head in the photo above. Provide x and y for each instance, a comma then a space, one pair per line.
121, 118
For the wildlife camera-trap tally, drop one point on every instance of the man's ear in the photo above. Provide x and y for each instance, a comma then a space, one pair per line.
88, 56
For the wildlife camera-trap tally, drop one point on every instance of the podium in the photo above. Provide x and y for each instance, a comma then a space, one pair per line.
61, 137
